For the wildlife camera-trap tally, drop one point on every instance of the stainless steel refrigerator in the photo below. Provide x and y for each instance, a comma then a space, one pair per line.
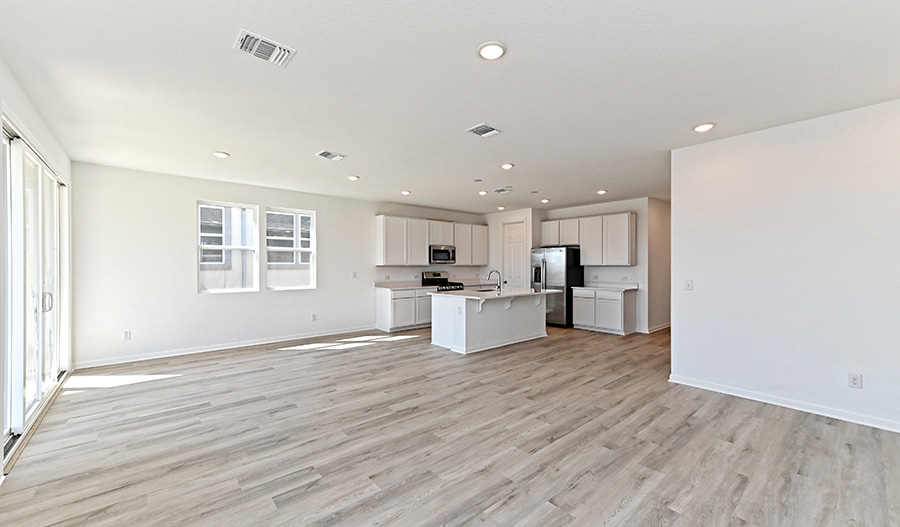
557, 268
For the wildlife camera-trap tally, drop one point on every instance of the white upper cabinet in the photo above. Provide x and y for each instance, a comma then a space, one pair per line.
479, 244
440, 232
591, 240
618, 239
559, 232
608, 240
550, 233
391, 240
568, 232
471, 243
417, 236
405, 241
463, 241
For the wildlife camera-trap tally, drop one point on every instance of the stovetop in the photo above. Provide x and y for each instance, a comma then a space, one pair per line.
441, 279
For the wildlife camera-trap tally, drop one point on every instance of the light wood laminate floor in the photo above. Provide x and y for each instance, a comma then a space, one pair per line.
578, 428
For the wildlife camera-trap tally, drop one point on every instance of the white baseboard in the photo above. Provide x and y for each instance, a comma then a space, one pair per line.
836, 413
216, 347
660, 327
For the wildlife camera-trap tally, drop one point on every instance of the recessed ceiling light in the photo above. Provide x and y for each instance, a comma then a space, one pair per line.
353, 178
545, 201
705, 127
507, 166
601, 192
221, 155
482, 193
501, 207
492, 50
405, 192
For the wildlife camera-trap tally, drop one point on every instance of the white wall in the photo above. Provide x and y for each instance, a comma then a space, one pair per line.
792, 239
135, 268
18, 110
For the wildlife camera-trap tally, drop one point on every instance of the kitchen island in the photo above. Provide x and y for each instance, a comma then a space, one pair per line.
470, 321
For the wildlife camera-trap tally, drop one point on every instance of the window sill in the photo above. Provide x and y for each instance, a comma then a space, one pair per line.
226, 291
296, 288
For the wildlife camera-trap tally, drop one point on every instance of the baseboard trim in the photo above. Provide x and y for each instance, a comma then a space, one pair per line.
660, 327
216, 347
803, 406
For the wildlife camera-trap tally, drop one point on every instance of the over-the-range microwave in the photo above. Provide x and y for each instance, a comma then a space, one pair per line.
441, 254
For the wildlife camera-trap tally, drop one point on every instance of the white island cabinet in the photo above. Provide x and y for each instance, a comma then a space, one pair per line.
470, 321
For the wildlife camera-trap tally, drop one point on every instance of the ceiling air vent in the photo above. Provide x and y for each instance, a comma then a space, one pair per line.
483, 130
263, 48
502, 190
334, 156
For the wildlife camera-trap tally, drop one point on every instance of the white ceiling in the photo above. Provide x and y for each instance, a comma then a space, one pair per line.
590, 95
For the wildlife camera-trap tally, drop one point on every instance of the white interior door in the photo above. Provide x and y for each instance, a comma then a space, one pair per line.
515, 258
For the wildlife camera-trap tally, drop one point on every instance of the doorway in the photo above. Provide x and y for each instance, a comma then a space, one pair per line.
33, 354
514, 257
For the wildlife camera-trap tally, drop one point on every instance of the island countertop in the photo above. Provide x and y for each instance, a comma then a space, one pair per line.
505, 293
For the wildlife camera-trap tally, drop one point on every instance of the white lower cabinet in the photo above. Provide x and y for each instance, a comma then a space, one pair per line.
606, 310
583, 310
397, 309
423, 306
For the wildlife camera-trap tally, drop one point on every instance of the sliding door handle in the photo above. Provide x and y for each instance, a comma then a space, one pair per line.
46, 302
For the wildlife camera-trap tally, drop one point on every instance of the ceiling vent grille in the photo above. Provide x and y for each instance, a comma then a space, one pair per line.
483, 130
502, 190
263, 48
334, 156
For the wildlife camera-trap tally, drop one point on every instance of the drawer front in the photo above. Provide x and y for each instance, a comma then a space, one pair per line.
580, 292
424, 292
403, 293
608, 295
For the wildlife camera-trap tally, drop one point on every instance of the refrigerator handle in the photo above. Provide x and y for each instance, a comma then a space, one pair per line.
536, 275
543, 274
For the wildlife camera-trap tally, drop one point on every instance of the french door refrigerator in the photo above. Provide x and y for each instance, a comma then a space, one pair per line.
557, 268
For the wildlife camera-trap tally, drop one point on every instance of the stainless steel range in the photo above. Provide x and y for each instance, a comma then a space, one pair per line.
441, 279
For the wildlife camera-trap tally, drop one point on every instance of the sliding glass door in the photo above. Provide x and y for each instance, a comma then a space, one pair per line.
34, 358
5, 421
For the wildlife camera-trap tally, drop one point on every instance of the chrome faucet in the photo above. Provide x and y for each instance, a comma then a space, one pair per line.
499, 278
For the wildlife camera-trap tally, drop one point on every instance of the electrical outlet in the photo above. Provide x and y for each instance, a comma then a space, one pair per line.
688, 284
416, 276
126, 335
387, 277
624, 278
314, 317
854, 380
595, 277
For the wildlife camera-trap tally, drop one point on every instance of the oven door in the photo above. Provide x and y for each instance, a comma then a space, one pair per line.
442, 254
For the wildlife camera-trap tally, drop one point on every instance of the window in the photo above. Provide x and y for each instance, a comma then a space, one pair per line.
212, 232
290, 249
227, 247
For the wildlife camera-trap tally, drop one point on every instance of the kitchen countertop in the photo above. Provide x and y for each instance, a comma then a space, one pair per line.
609, 286
417, 284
